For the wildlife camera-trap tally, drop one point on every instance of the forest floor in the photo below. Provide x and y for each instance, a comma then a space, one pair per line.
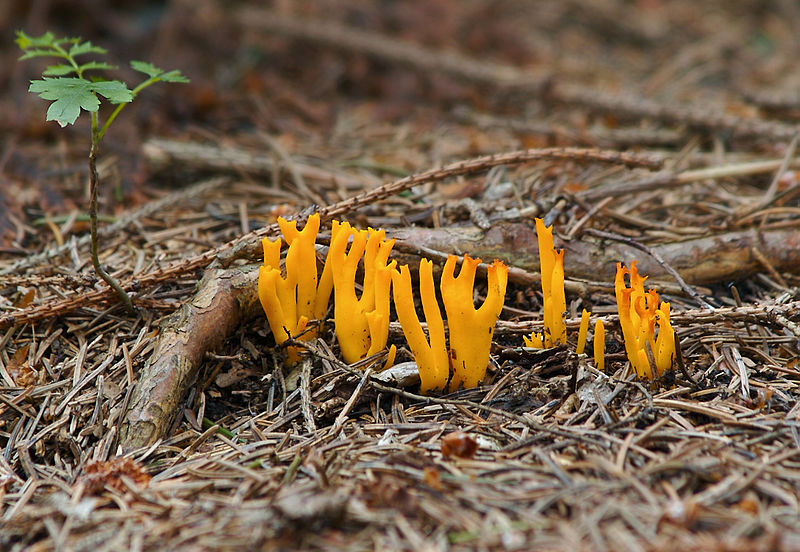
661, 131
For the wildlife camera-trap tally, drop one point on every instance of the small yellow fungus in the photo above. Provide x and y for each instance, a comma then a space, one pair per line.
599, 345
665, 343
638, 313
534, 340
431, 356
471, 329
551, 267
584, 329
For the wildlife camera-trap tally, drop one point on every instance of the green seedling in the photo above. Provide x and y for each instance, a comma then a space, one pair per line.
67, 85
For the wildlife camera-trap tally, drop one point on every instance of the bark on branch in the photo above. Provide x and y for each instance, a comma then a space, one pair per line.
224, 299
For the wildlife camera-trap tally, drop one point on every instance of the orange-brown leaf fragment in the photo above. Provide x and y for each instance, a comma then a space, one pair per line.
99, 474
18, 368
433, 478
459, 444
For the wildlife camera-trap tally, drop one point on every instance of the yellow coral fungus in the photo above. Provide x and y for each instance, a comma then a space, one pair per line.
665, 343
362, 323
291, 301
534, 340
431, 357
551, 267
313, 294
599, 345
471, 330
638, 313
584, 329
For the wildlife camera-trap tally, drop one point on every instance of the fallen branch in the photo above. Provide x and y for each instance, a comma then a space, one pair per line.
224, 298
710, 259
247, 245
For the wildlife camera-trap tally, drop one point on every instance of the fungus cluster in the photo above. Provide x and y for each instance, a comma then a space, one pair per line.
551, 268
296, 295
639, 312
292, 300
470, 330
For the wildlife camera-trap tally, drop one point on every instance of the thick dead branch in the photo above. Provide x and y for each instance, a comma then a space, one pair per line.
224, 298
711, 259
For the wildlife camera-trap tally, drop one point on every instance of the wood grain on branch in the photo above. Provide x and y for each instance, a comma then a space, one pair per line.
223, 299
711, 259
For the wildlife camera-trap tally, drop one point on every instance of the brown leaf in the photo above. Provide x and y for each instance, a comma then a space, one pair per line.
18, 368
98, 475
26, 299
459, 444
433, 478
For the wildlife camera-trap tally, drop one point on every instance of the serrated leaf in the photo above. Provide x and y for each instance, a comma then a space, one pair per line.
147, 68
25, 41
85, 48
156, 72
174, 76
58, 70
38, 53
70, 95
115, 91
73, 94
96, 66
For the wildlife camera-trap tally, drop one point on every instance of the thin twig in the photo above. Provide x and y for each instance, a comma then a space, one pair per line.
305, 395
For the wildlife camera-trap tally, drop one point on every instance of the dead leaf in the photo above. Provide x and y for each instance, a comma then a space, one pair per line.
459, 444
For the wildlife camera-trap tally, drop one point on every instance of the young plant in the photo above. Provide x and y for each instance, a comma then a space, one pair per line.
67, 85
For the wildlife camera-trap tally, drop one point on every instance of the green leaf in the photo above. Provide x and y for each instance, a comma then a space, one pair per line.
147, 68
73, 94
96, 66
115, 91
70, 95
155, 72
58, 70
174, 76
39, 53
85, 48
25, 41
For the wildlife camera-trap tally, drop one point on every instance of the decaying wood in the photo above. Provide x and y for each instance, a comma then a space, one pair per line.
223, 299
712, 259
